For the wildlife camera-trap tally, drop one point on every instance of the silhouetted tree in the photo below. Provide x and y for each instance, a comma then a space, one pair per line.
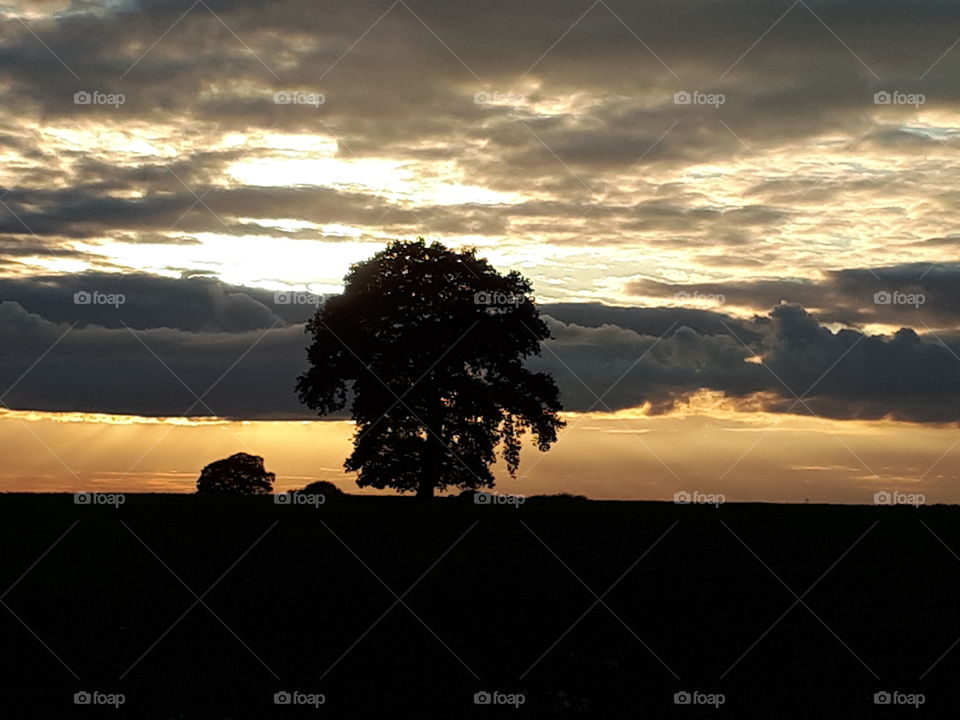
321, 487
431, 343
240, 474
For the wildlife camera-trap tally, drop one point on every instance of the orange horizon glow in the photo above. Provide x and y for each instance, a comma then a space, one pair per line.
703, 446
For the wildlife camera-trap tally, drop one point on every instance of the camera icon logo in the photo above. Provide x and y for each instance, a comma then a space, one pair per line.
482, 298
882, 97
482, 498
482, 698
682, 98
682, 498
283, 499
882, 497
882, 298
82, 498
282, 97
682, 698
282, 698
481, 98
82, 698
82, 298
282, 298
82, 98
882, 698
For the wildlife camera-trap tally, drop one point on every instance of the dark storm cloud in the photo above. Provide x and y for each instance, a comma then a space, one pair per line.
199, 327
807, 369
905, 377
650, 321
851, 296
249, 374
206, 304
192, 304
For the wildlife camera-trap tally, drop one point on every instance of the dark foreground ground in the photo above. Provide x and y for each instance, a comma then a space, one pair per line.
705, 600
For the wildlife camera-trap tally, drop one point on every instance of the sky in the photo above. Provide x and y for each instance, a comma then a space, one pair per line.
738, 218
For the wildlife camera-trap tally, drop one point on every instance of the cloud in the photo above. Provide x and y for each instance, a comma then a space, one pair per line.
912, 294
583, 146
806, 368
87, 212
597, 99
192, 304
198, 333
153, 372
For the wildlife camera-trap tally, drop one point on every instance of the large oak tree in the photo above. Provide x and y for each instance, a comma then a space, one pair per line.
428, 346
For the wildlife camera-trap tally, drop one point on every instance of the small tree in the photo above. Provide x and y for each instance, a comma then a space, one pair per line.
321, 487
431, 343
240, 474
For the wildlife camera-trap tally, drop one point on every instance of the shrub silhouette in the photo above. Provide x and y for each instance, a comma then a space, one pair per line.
239, 474
321, 487
431, 343
559, 497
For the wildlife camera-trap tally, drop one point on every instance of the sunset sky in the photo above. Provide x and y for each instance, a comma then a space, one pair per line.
739, 219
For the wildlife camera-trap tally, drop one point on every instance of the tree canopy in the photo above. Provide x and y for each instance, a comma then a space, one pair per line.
428, 346
240, 474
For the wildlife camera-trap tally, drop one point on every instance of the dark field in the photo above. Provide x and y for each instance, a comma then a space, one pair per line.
498, 604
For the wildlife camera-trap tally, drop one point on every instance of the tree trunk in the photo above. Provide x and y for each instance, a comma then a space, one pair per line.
433, 450
430, 467
425, 489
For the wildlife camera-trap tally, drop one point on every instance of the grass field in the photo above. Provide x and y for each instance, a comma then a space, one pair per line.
496, 599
